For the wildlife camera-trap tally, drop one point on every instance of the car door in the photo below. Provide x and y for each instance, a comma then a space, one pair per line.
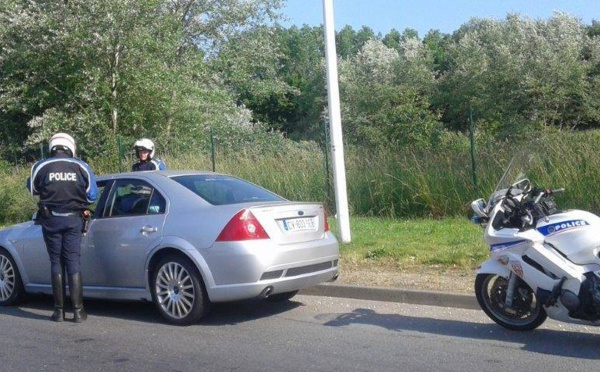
34, 256
123, 232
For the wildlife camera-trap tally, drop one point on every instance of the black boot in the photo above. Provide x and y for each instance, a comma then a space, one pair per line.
59, 297
76, 288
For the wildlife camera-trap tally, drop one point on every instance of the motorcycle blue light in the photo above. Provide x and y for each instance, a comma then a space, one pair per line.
476, 219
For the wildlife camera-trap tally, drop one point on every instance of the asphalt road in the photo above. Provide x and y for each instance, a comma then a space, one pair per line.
434, 298
309, 333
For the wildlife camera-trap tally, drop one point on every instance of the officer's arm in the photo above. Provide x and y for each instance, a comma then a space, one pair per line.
92, 187
31, 179
158, 164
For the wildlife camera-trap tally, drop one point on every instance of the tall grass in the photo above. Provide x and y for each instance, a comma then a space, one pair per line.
16, 204
388, 184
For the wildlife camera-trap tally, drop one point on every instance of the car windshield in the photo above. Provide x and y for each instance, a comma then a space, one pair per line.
223, 190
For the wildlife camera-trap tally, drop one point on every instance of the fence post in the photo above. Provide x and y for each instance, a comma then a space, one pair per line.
472, 139
327, 183
212, 148
119, 154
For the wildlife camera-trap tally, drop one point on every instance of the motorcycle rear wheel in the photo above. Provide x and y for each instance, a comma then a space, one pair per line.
526, 312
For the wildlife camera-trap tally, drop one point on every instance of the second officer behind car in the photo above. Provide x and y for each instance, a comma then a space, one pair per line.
144, 150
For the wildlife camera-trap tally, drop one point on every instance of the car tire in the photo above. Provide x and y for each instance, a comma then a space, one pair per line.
178, 291
11, 286
282, 297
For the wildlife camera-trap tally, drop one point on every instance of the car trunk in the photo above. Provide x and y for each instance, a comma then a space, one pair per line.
291, 222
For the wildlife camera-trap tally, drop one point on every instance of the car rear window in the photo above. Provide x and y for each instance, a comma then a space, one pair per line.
222, 190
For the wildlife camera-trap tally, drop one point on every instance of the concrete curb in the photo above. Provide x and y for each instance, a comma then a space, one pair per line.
463, 301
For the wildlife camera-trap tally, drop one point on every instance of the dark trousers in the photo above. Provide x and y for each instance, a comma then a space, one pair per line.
63, 242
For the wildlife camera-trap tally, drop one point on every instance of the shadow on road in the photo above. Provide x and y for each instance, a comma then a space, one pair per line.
544, 341
40, 307
244, 311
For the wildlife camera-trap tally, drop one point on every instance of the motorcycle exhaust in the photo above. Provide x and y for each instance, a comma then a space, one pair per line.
570, 300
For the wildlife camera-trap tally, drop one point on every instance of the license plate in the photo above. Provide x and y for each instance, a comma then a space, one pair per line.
298, 224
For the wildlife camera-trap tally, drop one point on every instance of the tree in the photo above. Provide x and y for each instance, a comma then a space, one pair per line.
520, 76
393, 39
437, 44
295, 110
385, 96
107, 68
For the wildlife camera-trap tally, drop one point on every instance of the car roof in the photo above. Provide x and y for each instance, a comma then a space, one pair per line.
156, 174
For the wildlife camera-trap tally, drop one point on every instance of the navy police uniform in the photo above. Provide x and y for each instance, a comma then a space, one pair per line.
65, 186
148, 165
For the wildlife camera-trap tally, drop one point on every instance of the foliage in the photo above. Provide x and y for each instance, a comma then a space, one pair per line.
385, 96
302, 67
125, 68
436, 183
522, 75
16, 205
192, 74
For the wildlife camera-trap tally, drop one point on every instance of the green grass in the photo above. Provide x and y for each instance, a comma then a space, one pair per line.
450, 243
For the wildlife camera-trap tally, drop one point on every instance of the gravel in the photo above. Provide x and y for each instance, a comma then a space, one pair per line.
429, 278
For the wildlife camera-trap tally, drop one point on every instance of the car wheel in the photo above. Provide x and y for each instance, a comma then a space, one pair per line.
281, 297
11, 287
178, 291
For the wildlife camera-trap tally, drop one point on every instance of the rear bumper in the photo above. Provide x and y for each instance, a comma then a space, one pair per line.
283, 284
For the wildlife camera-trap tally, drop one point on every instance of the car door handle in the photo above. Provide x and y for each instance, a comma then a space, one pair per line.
148, 229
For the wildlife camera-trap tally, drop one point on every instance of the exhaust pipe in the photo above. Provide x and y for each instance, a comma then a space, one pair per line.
335, 277
266, 292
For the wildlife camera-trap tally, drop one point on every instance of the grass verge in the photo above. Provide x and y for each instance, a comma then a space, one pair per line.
405, 244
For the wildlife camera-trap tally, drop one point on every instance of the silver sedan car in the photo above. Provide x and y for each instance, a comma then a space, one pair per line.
184, 240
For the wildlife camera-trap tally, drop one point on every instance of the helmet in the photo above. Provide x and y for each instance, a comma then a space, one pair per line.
144, 144
62, 141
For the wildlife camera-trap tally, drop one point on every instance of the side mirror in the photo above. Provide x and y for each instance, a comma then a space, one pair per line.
478, 206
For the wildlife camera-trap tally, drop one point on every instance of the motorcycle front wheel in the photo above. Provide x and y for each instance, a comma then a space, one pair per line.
524, 314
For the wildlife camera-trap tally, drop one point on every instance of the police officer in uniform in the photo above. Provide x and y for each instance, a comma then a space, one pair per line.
66, 186
144, 150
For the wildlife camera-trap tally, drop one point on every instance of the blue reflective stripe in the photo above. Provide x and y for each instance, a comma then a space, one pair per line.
495, 247
92, 189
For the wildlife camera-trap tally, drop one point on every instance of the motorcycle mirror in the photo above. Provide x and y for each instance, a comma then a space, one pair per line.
478, 206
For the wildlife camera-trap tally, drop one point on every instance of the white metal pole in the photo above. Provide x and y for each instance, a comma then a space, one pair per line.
335, 124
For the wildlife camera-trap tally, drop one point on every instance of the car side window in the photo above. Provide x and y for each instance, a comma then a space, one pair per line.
134, 198
97, 207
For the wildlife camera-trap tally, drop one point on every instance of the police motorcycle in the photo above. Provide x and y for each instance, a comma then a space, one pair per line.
543, 263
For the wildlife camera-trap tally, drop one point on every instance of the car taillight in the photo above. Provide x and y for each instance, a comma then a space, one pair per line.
325, 221
243, 226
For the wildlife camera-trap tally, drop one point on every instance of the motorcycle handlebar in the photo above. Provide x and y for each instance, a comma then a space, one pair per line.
548, 192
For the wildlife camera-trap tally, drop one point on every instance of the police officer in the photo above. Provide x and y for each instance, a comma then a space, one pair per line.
66, 186
144, 150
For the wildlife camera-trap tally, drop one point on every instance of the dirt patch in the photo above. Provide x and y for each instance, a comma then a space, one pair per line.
429, 278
